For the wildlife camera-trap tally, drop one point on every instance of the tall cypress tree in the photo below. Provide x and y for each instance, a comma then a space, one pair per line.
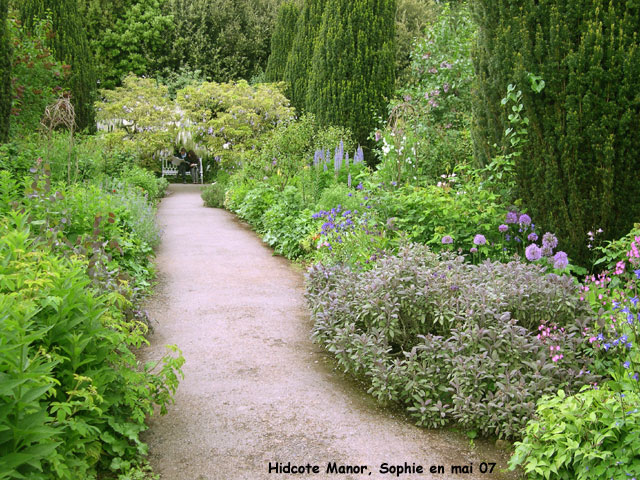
579, 169
69, 45
298, 68
5, 73
282, 41
353, 69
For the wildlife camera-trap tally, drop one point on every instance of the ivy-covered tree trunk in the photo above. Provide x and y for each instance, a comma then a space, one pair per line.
5, 73
298, 67
69, 45
281, 41
578, 172
353, 70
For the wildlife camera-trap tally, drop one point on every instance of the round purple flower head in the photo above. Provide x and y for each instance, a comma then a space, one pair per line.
533, 253
473, 250
503, 228
479, 240
549, 240
560, 261
524, 219
512, 217
547, 251
532, 237
447, 239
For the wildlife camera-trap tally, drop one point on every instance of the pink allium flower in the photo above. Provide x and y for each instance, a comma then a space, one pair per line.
479, 240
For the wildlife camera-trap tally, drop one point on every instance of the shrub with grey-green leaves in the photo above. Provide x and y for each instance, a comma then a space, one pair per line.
454, 342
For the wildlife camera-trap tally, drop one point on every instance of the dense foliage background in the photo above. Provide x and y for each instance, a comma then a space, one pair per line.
576, 171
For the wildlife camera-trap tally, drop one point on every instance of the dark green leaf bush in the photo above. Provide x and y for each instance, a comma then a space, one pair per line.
453, 342
37, 77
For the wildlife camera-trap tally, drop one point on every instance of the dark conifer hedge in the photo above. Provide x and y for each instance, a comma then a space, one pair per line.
579, 170
298, 67
69, 45
282, 41
353, 70
5, 73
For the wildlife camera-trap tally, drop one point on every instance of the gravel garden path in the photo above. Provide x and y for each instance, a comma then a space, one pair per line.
256, 390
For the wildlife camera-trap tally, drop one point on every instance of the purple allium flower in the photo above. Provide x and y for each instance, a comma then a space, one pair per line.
479, 240
549, 240
524, 219
560, 261
473, 250
503, 228
532, 237
546, 250
512, 217
447, 239
533, 253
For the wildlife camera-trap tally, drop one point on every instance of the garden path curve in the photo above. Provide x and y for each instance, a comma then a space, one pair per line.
256, 389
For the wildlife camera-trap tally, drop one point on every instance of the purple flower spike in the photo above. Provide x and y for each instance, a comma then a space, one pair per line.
503, 228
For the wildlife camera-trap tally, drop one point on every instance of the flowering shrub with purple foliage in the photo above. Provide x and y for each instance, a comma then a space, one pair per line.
453, 342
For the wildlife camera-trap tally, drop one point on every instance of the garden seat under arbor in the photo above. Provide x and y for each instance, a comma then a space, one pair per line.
170, 167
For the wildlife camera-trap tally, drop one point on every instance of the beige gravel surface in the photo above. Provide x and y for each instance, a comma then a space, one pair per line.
256, 389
